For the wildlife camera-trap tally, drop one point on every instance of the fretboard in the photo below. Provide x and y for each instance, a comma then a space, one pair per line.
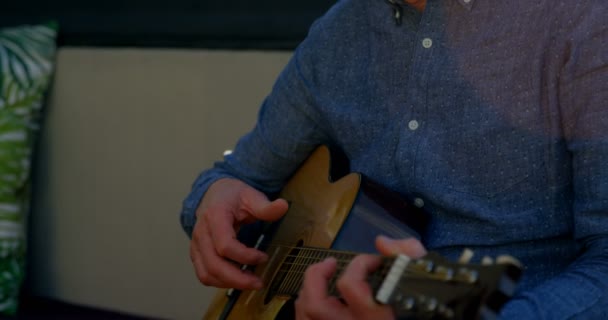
290, 275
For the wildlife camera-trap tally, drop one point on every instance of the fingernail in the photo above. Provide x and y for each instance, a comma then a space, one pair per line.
385, 239
329, 259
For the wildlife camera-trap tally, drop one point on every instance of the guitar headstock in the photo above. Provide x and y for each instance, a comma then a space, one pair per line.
434, 288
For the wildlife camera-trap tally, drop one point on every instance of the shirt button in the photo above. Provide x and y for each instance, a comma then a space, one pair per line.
413, 125
427, 43
418, 202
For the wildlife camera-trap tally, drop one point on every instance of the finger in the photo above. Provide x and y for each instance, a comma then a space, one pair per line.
199, 267
225, 243
257, 205
219, 272
313, 300
353, 285
197, 262
410, 247
316, 277
357, 293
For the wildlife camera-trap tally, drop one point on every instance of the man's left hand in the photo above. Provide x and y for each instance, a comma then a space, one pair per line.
314, 302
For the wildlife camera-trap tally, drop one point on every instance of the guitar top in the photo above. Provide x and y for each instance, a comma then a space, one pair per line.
341, 218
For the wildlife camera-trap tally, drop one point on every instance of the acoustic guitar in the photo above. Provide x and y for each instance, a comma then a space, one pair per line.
340, 217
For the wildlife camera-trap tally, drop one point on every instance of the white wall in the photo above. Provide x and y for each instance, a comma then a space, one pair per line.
125, 134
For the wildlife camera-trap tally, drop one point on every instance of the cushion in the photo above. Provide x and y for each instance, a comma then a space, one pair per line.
26, 64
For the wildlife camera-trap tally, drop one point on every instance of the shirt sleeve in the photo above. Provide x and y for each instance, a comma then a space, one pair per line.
290, 123
581, 291
285, 133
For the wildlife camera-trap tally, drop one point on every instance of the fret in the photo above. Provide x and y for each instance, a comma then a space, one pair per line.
290, 275
293, 276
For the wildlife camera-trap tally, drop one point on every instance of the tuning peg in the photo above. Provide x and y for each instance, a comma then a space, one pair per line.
487, 261
466, 256
467, 275
431, 304
408, 303
507, 259
444, 272
424, 265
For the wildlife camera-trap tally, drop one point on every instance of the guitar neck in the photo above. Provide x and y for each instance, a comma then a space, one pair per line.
291, 272
428, 286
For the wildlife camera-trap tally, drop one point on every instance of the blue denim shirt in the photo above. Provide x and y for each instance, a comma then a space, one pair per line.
494, 114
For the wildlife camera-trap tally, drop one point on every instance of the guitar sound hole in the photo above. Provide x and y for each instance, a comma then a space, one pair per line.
287, 268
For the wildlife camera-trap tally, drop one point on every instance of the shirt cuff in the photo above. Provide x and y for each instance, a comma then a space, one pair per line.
191, 202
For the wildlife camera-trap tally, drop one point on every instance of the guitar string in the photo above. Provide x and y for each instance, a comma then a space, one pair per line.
298, 275
347, 255
290, 279
381, 274
302, 260
340, 269
409, 272
322, 258
374, 280
339, 258
293, 278
323, 250
295, 270
291, 246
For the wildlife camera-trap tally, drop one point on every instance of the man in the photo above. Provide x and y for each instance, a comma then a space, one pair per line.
492, 115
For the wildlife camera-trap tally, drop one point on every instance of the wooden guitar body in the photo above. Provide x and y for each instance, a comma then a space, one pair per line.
346, 214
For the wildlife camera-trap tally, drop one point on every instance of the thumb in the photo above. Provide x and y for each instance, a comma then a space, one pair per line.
272, 211
259, 207
410, 247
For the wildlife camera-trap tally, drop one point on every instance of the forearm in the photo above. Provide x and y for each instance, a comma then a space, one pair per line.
581, 291
192, 201
247, 163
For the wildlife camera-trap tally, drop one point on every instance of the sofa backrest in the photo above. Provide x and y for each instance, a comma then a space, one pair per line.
124, 135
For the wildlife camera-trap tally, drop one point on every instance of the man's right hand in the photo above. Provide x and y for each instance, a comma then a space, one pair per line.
214, 249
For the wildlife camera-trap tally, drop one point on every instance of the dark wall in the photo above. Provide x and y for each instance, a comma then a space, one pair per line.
238, 24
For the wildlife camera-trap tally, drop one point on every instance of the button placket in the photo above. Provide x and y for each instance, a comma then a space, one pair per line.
424, 48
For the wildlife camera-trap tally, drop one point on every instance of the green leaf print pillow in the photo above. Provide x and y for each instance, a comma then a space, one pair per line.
26, 63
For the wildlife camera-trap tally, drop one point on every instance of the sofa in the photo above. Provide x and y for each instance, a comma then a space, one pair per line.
124, 133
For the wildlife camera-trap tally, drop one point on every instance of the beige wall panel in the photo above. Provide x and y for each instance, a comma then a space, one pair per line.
125, 134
